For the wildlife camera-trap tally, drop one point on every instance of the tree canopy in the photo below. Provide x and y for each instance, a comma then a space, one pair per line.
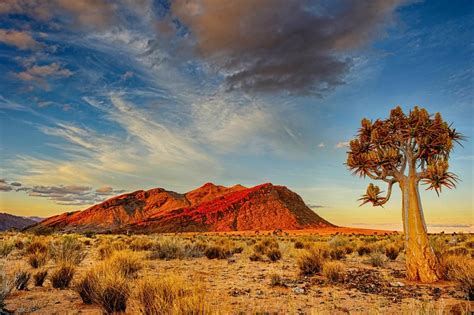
415, 146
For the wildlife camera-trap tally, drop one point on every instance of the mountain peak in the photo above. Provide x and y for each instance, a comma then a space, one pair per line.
208, 208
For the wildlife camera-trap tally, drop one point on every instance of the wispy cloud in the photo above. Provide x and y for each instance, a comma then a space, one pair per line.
20, 39
342, 144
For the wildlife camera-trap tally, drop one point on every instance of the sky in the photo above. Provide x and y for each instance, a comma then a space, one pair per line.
99, 98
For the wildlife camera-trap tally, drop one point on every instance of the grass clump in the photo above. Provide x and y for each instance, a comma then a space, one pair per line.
274, 254
62, 276
67, 250
21, 279
277, 280
37, 259
39, 277
460, 269
6, 248
364, 250
6, 286
218, 252
333, 271
256, 257
299, 245
392, 252
310, 262
376, 260
170, 295
126, 262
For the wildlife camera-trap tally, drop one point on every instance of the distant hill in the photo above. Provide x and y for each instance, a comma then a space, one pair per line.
207, 208
9, 221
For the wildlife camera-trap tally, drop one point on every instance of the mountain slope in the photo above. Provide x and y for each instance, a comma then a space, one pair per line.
207, 208
9, 221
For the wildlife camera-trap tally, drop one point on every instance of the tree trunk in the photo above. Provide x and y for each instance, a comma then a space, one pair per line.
421, 263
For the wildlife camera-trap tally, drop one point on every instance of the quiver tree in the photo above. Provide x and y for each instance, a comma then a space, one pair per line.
406, 149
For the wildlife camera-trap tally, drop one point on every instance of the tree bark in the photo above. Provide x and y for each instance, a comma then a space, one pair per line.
421, 262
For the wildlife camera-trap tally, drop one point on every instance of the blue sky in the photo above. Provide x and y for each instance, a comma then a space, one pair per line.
99, 98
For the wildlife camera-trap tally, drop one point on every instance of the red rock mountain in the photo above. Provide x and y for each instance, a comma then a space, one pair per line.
208, 208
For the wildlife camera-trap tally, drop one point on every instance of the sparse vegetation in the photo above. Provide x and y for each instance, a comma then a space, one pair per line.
392, 251
21, 279
62, 276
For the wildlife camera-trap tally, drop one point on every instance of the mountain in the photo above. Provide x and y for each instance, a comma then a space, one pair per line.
207, 208
9, 221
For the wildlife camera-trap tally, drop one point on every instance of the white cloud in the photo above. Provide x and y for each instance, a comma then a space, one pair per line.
342, 144
321, 145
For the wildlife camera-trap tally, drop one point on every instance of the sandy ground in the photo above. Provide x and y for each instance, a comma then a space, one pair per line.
238, 285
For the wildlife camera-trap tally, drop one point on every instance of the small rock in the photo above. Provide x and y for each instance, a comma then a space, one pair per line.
396, 284
298, 290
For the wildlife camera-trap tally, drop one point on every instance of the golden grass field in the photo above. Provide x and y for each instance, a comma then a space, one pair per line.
238, 273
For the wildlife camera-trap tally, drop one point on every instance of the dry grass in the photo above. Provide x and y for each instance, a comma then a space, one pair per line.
460, 269
6, 286
67, 250
39, 277
170, 295
62, 276
126, 262
310, 262
334, 271
21, 279
392, 251
106, 287
37, 259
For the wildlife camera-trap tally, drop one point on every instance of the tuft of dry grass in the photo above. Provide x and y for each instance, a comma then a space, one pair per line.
218, 252
39, 277
170, 295
277, 280
376, 260
21, 279
37, 259
126, 262
334, 271
67, 250
392, 251
256, 257
6, 247
364, 250
310, 262
106, 249
459, 269
62, 276
274, 254
299, 245
104, 286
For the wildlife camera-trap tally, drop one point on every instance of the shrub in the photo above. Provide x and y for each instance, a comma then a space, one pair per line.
461, 270
265, 245
333, 271
364, 250
22, 278
89, 234
39, 277
274, 254
37, 245
337, 253
255, 257
310, 262
376, 260
126, 262
67, 250
167, 249
37, 259
348, 249
392, 251
299, 245
170, 295
62, 276
217, 252
6, 248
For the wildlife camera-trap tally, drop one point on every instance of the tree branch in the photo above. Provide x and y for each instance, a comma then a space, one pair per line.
389, 193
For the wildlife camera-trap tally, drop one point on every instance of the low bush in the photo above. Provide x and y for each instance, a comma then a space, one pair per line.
376, 260
217, 252
21, 279
333, 271
67, 250
62, 276
274, 254
392, 251
255, 257
6, 248
299, 245
459, 269
364, 250
126, 262
337, 253
39, 277
310, 262
37, 259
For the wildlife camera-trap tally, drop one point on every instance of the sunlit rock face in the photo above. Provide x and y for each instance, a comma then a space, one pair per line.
207, 208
